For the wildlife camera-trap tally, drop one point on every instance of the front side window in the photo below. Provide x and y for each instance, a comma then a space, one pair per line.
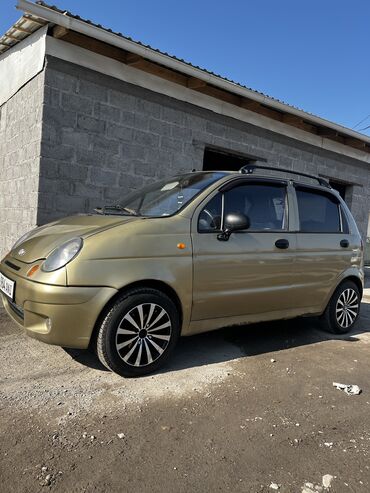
318, 211
210, 218
263, 204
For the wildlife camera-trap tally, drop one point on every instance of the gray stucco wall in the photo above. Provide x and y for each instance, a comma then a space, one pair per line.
103, 138
20, 135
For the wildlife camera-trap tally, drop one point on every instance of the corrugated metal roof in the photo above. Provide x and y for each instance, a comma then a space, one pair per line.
41, 13
88, 21
24, 26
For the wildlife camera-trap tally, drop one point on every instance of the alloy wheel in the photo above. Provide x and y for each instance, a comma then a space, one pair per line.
347, 308
143, 334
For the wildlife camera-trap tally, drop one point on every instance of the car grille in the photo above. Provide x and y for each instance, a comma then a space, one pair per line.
16, 309
11, 265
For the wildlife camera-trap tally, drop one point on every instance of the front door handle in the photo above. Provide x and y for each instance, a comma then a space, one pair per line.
282, 243
344, 243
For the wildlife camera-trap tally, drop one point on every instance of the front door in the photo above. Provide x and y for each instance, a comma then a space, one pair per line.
253, 271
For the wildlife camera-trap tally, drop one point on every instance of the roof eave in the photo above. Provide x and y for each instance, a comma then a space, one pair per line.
111, 38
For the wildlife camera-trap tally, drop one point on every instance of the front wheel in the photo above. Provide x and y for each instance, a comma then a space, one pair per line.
343, 309
138, 333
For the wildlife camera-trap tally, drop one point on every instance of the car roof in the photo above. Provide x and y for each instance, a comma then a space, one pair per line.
252, 171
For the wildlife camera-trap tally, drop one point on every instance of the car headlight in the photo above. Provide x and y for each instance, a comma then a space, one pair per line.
62, 255
23, 238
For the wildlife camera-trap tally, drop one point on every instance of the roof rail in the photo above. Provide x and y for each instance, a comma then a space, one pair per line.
249, 169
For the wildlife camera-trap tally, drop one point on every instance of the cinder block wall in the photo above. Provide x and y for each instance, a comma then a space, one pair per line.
20, 136
101, 138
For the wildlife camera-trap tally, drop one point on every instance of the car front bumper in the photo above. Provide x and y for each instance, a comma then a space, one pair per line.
60, 315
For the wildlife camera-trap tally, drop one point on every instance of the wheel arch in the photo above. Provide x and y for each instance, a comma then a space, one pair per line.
349, 277
146, 283
356, 280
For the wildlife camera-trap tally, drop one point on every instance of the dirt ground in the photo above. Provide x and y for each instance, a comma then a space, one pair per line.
249, 409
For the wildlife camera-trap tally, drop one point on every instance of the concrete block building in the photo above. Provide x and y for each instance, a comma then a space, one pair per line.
88, 115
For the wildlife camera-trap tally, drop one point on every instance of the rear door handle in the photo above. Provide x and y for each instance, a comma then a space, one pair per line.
344, 243
282, 243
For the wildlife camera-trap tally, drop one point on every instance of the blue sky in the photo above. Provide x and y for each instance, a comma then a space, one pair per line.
313, 54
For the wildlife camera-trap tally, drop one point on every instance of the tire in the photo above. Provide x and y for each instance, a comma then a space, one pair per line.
138, 333
343, 309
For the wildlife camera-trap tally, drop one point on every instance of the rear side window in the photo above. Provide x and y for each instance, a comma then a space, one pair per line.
318, 212
345, 226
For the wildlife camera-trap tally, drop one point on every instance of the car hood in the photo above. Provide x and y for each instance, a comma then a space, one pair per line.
45, 239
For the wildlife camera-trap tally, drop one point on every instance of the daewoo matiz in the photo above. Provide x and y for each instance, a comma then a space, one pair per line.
185, 255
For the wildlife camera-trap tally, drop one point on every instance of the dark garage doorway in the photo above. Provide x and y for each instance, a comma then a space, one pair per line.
339, 187
215, 160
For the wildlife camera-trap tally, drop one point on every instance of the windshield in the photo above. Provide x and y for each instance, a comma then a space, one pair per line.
164, 197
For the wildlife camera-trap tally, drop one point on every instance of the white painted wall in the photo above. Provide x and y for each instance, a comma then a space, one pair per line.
21, 63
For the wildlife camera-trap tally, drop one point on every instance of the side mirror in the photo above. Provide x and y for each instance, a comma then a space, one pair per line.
234, 221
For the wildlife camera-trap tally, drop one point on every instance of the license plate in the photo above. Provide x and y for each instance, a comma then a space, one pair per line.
7, 286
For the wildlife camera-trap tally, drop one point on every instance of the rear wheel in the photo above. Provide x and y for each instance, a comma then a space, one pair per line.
343, 309
138, 333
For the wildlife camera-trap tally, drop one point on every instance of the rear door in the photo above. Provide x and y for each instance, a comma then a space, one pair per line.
250, 273
324, 245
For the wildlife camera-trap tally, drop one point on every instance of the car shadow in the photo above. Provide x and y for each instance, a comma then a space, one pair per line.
251, 340
247, 340
85, 357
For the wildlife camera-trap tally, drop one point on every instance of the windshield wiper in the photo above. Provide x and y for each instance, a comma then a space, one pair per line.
118, 208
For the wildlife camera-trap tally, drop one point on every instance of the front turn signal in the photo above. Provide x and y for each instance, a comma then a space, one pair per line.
32, 270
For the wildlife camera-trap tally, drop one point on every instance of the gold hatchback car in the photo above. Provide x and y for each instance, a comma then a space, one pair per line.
185, 255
